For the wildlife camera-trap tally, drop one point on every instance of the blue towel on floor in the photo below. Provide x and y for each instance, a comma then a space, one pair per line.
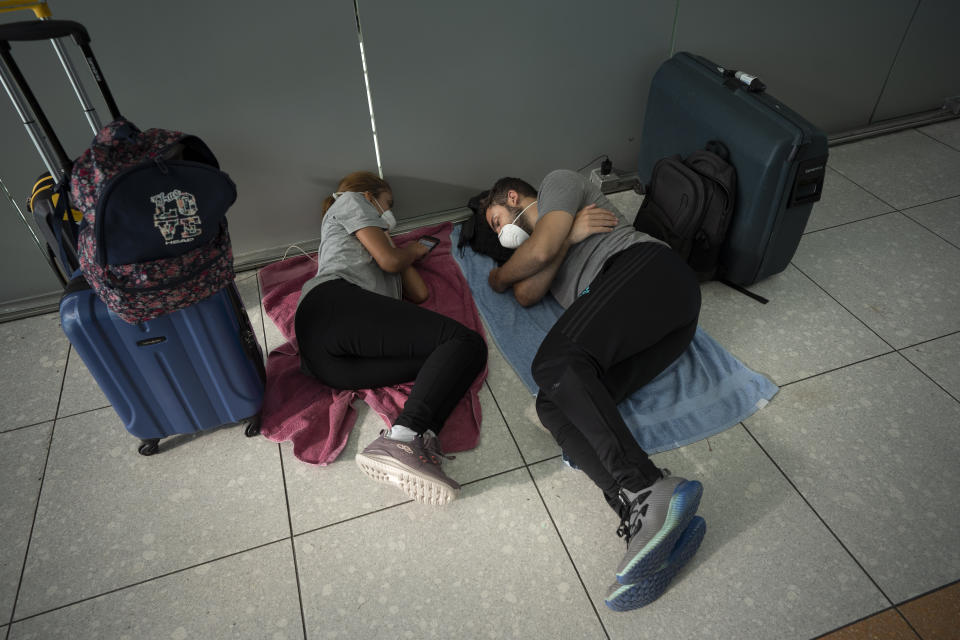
705, 391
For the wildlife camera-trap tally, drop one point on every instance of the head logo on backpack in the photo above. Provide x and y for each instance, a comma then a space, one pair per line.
154, 234
689, 204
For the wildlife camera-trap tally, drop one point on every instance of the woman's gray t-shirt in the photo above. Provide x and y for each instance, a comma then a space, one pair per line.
342, 255
565, 190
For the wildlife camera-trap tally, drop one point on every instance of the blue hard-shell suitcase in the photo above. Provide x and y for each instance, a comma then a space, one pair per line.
186, 371
779, 156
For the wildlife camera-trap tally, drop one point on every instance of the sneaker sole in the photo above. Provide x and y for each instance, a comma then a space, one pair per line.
417, 486
683, 506
633, 596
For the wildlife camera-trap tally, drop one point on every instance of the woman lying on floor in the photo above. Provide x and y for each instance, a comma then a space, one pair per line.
355, 331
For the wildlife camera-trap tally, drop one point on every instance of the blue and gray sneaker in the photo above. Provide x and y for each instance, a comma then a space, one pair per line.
653, 521
625, 597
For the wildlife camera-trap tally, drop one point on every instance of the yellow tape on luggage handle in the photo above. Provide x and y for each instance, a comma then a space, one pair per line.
40, 9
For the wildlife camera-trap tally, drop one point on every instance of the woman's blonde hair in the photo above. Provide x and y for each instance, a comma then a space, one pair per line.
361, 182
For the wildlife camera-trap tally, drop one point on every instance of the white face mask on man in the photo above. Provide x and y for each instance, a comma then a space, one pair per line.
511, 235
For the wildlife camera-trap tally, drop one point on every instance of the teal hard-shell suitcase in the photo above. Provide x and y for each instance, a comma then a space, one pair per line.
779, 156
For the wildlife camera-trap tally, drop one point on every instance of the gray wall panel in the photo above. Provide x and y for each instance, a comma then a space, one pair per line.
463, 92
827, 60
276, 92
467, 92
926, 69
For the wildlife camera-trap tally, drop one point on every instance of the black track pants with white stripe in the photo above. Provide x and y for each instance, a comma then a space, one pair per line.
637, 317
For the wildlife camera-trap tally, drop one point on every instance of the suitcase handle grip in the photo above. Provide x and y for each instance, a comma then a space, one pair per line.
39, 7
43, 30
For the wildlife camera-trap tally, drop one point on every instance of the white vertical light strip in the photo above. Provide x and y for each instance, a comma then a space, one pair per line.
366, 82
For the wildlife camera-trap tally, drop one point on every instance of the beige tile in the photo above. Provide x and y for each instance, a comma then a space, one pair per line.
34, 359
891, 273
800, 332
487, 565
22, 456
109, 517
760, 571
249, 595
903, 169
872, 448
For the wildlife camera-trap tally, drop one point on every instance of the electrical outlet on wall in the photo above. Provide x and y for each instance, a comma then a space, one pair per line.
615, 180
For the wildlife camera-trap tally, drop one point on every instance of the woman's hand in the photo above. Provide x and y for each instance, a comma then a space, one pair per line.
387, 256
590, 220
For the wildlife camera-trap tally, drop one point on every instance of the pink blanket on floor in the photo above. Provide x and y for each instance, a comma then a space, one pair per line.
318, 419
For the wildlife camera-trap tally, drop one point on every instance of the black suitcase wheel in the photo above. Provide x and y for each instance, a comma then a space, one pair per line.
253, 427
149, 447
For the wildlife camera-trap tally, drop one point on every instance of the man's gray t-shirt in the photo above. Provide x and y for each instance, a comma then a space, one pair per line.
343, 256
565, 190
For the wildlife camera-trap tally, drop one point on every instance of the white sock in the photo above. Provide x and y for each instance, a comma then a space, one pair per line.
402, 433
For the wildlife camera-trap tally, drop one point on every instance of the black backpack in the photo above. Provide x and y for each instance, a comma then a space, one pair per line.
689, 204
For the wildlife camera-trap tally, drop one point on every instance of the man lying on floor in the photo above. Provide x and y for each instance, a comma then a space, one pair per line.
631, 308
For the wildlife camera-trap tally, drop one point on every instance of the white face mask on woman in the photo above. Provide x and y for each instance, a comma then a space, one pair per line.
511, 235
386, 216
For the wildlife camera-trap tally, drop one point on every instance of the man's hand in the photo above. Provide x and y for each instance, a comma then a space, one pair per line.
494, 281
590, 220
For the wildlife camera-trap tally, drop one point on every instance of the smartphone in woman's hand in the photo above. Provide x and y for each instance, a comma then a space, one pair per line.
428, 241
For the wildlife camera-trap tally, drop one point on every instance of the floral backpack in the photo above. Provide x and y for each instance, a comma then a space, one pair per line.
154, 233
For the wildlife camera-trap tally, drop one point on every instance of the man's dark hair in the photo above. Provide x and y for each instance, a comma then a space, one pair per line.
498, 193
477, 232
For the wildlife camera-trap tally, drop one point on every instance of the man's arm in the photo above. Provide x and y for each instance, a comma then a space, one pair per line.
535, 254
531, 290
588, 221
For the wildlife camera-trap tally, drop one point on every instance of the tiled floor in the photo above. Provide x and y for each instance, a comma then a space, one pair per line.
834, 510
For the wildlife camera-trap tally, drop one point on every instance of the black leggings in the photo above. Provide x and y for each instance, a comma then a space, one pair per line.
638, 316
351, 338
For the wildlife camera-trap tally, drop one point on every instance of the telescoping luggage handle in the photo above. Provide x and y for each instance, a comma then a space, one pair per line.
23, 98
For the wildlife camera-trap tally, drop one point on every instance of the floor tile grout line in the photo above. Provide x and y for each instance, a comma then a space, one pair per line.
293, 546
80, 413
816, 513
846, 224
835, 369
842, 306
923, 226
523, 458
866, 189
146, 580
928, 376
28, 426
563, 543
926, 204
399, 504
351, 518
36, 507
892, 206
928, 593
935, 139
899, 351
